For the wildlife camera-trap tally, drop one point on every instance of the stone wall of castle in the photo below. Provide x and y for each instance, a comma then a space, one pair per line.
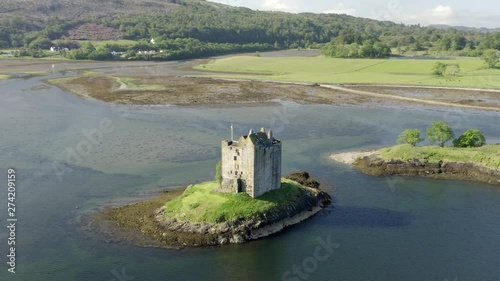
267, 169
237, 163
250, 168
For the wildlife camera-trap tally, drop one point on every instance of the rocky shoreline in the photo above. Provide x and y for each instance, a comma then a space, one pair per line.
374, 165
236, 232
143, 224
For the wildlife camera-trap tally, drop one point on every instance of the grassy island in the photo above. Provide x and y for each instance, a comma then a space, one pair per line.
198, 216
485, 156
200, 204
474, 163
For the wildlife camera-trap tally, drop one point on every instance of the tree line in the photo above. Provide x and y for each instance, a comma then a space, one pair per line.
440, 133
212, 29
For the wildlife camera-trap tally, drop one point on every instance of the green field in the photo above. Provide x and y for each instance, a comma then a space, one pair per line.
354, 71
2, 76
200, 204
487, 156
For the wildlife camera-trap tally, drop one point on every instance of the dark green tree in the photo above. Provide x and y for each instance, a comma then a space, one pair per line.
471, 138
439, 69
491, 57
41, 42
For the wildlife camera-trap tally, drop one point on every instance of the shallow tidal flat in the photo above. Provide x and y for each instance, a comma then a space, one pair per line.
201, 91
189, 91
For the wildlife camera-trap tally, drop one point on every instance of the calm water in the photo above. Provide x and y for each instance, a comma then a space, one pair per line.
384, 228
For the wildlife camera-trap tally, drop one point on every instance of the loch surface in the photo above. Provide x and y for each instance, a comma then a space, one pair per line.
73, 155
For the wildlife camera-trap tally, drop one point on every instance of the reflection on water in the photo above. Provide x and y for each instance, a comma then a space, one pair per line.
74, 155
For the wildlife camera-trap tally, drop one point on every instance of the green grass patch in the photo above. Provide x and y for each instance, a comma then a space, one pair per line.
200, 204
133, 84
3, 76
90, 73
487, 156
355, 71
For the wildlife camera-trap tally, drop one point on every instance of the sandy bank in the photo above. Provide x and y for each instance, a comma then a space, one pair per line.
351, 157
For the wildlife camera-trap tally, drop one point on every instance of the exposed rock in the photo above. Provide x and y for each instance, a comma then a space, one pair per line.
304, 179
143, 223
240, 231
376, 166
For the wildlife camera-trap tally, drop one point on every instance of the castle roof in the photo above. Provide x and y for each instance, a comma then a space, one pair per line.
262, 139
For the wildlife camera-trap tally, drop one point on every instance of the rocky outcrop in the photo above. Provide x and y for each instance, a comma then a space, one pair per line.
241, 231
304, 179
376, 166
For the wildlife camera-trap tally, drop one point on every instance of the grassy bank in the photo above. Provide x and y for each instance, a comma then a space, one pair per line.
486, 156
200, 204
355, 71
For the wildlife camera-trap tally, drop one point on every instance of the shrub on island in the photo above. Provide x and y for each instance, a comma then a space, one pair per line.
471, 138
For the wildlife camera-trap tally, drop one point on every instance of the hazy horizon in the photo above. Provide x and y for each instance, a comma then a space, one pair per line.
425, 12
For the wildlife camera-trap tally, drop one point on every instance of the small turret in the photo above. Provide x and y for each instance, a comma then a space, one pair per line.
263, 130
251, 132
270, 135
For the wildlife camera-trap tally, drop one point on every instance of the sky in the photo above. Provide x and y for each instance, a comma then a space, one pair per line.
474, 13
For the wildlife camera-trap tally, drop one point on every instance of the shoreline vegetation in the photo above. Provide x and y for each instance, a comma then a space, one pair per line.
474, 164
196, 216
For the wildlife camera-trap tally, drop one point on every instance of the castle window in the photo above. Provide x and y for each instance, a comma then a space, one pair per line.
235, 173
235, 158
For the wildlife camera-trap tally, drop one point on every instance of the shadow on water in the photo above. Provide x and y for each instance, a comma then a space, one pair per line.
365, 217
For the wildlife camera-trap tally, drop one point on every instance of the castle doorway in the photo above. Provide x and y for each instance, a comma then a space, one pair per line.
241, 187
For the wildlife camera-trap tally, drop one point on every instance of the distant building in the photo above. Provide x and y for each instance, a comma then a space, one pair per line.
252, 164
115, 53
152, 41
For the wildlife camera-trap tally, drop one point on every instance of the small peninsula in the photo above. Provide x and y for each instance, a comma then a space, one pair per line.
248, 200
476, 164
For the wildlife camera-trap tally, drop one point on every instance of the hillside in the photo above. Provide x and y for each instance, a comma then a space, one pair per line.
207, 28
466, 28
41, 10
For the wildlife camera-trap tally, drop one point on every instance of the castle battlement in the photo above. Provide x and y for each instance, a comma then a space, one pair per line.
252, 164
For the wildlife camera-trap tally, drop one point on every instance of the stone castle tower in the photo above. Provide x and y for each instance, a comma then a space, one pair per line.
251, 164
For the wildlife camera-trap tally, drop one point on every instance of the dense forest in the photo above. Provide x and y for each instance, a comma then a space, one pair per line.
189, 28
